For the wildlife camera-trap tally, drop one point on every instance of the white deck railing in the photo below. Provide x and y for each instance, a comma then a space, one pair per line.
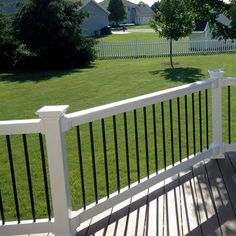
54, 123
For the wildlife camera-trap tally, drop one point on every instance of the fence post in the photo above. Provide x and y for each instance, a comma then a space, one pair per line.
52, 117
217, 145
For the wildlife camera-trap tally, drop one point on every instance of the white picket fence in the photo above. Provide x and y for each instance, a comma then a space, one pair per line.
160, 48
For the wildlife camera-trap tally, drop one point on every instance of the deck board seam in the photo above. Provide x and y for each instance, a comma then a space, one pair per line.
197, 202
180, 202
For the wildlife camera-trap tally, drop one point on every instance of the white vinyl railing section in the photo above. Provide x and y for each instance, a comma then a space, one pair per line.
54, 123
160, 48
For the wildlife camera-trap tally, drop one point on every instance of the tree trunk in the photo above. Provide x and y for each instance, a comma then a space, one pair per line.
171, 52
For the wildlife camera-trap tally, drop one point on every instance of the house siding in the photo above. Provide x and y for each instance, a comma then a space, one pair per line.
96, 20
142, 20
139, 14
201, 35
9, 6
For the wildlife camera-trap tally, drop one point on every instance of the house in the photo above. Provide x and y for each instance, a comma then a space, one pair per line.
202, 30
97, 18
144, 14
10, 6
139, 14
202, 39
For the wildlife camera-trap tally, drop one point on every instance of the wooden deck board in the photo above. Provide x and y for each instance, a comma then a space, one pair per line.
190, 219
221, 199
229, 176
172, 211
199, 202
207, 213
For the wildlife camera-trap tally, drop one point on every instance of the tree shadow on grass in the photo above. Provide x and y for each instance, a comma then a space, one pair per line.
181, 74
38, 76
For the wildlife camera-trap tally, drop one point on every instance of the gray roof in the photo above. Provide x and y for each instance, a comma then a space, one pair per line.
129, 4
200, 25
142, 9
104, 4
85, 2
10, 6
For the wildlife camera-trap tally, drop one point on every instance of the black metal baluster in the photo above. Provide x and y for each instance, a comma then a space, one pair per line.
163, 133
93, 161
105, 157
207, 125
136, 144
127, 148
193, 116
13, 178
2, 209
171, 134
29, 176
229, 115
186, 124
116, 153
155, 136
200, 118
146, 140
179, 129
45, 176
81, 166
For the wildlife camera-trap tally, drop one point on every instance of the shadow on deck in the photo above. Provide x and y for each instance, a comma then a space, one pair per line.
201, 201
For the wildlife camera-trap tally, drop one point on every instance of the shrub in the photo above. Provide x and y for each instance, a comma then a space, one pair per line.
50, 30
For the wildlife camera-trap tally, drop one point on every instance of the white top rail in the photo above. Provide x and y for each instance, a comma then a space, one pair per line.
31, 126
96, 113
20, 127
229, 81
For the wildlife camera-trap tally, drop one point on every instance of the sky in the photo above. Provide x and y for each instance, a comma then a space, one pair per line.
149, 2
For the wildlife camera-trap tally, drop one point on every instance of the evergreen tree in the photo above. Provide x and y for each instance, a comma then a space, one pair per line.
117, 10
50, 30
155, 7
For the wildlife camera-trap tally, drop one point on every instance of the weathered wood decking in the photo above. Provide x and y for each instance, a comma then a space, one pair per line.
201, 201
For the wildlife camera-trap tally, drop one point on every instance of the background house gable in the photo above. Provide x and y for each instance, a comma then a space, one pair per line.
136, 13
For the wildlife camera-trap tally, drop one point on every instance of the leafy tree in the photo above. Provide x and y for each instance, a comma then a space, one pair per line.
7, 44
210, 10
175, 21
50, 30
232, 16
117, 10
156, 7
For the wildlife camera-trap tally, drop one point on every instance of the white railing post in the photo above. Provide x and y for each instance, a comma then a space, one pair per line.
51, 118
217, 145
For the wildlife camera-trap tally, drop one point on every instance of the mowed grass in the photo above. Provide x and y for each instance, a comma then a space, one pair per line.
132, 36
22, 94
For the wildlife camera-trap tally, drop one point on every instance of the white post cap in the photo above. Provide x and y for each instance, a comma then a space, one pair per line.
52, 111
216, 73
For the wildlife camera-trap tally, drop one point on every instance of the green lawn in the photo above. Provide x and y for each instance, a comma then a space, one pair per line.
22, 94
132, 27
115, 38
139, 27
